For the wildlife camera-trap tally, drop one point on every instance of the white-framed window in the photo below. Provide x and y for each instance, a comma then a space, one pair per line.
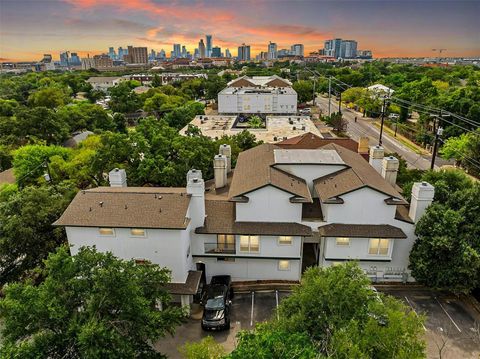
285, 240
226, 242
378, 246
250, 244
106, 232
283, 265
342, 241
138, 232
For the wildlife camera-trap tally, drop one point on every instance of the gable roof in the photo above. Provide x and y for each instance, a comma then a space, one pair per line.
128, 207
220, 219
312, 141
359, 175
254, 170
260, 81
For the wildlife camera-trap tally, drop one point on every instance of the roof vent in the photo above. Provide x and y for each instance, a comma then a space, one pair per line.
126, 207
159, 197
100, 203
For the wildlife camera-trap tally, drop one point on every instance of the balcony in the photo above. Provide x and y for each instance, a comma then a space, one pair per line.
219, 248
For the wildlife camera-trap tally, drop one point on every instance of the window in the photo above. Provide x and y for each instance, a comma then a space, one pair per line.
137, 232
106, 232
226, 242
285, 240
341, 241
283, 265
379, 246
249, 244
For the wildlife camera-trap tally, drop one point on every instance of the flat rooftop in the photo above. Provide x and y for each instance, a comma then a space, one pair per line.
315, 156
278, 128
258, 91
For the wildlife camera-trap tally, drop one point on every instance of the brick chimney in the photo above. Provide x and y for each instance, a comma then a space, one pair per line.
390, 169
220, 170
422, 197
376, 157
226, 150
117, 178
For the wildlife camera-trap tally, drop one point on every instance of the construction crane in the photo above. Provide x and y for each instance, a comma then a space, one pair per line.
439, 52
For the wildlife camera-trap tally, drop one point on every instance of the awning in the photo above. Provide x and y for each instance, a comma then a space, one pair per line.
190, 286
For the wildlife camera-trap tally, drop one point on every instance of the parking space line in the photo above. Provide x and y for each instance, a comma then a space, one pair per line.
411, 306
251, 312
448, 315
276, 298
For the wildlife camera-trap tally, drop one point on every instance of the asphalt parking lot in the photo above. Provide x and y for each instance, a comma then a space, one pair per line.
451, 323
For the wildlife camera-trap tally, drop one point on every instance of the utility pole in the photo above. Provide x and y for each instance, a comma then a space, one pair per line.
435, 146
340, 102
329, 94
314, 86
383, 119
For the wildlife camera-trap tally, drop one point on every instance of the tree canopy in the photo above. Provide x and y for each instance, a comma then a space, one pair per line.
91, 305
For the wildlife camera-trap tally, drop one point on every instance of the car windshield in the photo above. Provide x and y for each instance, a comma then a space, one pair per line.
214, 303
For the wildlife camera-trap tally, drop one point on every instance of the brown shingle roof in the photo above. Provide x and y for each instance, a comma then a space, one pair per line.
254, 170
189, 287
129, 207
359, 175
312, 141
221, 220
361, 230
7, 176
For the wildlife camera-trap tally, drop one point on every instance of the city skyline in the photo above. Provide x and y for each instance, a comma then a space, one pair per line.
389, 29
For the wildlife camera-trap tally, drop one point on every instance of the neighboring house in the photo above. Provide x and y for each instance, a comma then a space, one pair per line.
103, 83
258, 94
77, 138
381, 90
7, 177
278, 212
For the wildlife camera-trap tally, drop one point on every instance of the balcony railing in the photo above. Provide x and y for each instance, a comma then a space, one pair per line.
214, 248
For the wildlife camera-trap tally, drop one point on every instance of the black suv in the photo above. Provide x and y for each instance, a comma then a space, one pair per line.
216, 314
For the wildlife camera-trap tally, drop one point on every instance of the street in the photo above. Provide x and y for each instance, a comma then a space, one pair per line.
365, 128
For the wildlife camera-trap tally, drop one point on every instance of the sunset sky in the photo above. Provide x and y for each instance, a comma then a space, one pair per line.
389, 28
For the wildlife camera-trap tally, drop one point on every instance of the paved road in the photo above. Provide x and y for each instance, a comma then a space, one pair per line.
364, 128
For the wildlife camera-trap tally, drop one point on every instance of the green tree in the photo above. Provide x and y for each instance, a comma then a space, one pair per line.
304, 90
447, 252
465, 149
49, 97
156, 81
207, 348
123, 99
91, 305
27, 234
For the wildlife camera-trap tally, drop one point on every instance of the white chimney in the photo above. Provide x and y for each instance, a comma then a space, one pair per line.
220, 170
196, 188
117, 178
422, 197
376, 156
390, 169
226, 150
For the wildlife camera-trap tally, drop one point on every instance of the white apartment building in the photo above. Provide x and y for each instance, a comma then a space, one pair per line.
103, 83
258, 94
280, 210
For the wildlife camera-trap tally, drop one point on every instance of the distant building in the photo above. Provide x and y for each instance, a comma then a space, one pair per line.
120, 53
272, 51
297, 50
75, 59
332, 48
227, 53
184, 52
88, 63
64, 58
153, 55
364, 54
137, 55
216, 52
338, 48
111, 53
103, 83
258, 94
201, 49
348, 49
243, 53
45, 64
102, 61
161, 54
176, 53
209, 45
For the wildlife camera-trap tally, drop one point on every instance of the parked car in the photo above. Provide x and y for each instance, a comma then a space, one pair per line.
216, 313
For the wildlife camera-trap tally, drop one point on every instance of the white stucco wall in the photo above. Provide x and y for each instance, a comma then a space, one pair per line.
357, 249
364, 206
269, 204
168, 248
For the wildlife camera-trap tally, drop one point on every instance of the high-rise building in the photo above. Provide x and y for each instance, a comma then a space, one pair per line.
272, 51
364, 54
176, 51
75, 59
153, 55
184, 51
102, 61
137, 55
209, 45
284, 53
161, 54
333, 48
216, 52
111, 53
120, 53
348, 49
297, 50
227, 53
64, 58
243, 53
201, 49
196, 53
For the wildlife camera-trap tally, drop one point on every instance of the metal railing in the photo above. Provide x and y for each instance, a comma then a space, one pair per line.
226, 248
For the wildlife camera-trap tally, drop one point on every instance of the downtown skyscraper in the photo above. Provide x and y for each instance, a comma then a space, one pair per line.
209, 45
